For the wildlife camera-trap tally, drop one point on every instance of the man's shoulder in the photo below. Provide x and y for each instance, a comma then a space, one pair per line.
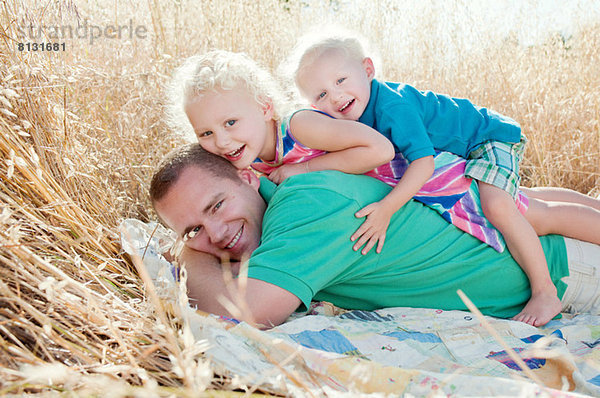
327, 179
329, 184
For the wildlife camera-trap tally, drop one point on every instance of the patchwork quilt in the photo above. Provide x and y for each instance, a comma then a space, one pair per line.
398, 351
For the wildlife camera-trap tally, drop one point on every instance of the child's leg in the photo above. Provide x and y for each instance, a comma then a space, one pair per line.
524, 245
561, 195
568, 219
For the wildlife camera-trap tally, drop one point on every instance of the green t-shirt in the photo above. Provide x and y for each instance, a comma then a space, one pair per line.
306, 249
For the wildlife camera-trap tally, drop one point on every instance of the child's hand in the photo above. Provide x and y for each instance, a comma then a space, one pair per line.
373, 229
287, 170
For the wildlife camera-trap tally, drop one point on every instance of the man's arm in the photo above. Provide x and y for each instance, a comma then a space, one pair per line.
256, 302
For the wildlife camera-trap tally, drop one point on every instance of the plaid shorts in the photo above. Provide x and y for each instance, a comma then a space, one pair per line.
497, 163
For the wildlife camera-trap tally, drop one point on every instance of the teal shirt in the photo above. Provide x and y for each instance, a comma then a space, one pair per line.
417, 122
306, 250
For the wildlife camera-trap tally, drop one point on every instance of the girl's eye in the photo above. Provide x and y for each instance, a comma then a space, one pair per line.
320, 96
230, 122
204, 134
341, 80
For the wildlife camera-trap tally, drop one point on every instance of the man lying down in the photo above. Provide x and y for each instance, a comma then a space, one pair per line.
297, 238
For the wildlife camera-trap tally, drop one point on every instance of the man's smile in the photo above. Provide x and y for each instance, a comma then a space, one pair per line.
235, 239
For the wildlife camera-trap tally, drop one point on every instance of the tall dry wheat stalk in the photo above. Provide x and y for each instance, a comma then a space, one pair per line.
82, 129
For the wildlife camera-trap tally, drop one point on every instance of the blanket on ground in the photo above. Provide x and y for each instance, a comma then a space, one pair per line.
413, 351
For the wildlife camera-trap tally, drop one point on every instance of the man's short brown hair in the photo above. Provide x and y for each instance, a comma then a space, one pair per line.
178, 160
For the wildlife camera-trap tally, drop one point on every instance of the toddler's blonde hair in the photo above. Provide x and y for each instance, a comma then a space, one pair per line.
319, 41
215, 70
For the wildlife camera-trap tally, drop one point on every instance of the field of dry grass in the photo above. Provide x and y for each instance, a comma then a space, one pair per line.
82, 128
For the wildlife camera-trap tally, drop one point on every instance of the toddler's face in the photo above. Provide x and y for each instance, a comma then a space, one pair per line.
231, 124
337, 84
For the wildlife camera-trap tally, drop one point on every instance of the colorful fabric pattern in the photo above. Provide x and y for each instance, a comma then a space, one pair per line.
414, 352
497, 163
287, 151
448, 191
455, 342
451, 194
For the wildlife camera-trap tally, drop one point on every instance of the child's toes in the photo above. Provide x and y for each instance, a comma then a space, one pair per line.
520, 317
531, 320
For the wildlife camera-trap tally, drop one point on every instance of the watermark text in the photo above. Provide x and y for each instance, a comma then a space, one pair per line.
85, 30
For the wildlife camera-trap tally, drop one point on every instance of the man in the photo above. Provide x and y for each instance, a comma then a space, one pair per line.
297, 236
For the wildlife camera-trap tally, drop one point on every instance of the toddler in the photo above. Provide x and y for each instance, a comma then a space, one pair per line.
334, 74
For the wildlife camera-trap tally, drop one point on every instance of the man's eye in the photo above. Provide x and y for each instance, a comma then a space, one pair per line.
204, 134
230, 122
218, 205
192, 233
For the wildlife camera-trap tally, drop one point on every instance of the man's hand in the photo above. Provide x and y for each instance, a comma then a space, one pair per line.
373, 229
288, 170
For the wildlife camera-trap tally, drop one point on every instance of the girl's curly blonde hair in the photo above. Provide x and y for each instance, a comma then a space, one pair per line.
212, 71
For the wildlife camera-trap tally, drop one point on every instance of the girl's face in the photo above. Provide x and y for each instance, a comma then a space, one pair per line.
338, 84
233, 125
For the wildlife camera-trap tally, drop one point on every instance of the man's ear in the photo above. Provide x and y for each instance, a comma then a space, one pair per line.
249, 177
369, 67
268, 108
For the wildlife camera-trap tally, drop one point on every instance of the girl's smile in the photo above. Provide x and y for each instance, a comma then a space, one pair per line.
232, 124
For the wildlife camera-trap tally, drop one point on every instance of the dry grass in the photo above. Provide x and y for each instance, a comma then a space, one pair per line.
82, 129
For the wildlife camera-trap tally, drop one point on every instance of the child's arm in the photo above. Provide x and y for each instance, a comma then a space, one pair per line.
353, 147
378, 214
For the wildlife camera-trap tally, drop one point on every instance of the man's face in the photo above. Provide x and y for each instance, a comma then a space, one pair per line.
337, 84
215, 215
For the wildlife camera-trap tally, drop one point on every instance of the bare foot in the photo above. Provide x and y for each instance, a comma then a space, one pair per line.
540, 309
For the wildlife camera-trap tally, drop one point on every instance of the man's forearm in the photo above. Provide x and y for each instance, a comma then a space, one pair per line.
205, 282
254, 301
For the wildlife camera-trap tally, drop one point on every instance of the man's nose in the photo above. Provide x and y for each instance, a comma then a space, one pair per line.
215, 230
